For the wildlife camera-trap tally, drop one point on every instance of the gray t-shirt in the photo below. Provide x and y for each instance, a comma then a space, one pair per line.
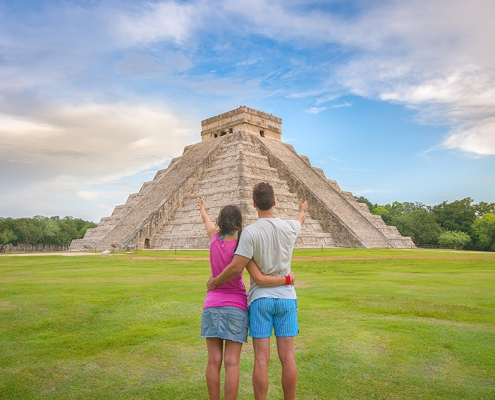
270, 241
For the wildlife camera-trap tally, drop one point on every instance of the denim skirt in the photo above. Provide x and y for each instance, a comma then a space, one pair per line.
227, 323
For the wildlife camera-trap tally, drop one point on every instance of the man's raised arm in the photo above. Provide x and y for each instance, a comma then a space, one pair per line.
301, 215
234, 268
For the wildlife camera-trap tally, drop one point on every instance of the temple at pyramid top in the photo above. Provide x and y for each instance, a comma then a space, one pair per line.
239, 149
242, 119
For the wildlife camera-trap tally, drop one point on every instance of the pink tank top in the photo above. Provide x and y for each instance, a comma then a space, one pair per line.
231, 293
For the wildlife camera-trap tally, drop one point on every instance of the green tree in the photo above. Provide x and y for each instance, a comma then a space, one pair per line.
44, 230
484, 232
383, 212
396, 209
28, 230
420, 225
84, 228
7, 235
72, 228
483, 208
49, 230
362, 199
457, 239
456, 216
67, 230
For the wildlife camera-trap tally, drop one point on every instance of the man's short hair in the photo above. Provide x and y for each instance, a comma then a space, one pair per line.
263, 196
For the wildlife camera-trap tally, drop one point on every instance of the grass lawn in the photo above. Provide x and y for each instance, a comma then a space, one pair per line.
375, 324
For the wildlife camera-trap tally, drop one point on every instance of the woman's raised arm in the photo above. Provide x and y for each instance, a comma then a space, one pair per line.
210, 228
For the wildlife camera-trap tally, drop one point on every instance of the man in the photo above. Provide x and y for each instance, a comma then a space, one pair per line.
269, 242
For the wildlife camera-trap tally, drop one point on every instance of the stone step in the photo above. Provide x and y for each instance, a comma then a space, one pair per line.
230, 174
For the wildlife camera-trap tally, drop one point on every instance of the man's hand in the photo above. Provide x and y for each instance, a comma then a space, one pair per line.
292, 278
211, 285
303, 206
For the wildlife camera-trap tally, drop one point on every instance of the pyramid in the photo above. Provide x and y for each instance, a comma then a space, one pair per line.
238, 149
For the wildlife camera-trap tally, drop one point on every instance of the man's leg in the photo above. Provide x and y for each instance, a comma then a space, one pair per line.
260, 329
286, 327
260, 370
231, 358
215, 355
285, 348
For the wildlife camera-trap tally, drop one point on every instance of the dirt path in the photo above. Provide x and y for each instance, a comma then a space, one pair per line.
64, 254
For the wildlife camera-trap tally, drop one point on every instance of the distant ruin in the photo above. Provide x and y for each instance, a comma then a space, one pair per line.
238, 149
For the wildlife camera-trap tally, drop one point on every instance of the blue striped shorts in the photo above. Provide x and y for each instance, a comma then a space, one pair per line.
267, 314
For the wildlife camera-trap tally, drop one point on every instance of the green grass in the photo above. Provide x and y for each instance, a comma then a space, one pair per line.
375, 324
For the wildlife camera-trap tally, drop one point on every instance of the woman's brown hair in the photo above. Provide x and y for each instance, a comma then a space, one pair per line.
230, 220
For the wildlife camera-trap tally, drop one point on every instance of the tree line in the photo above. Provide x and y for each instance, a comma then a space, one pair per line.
460, 224
42, 231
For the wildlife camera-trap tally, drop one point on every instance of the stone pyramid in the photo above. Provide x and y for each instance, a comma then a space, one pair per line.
238, 149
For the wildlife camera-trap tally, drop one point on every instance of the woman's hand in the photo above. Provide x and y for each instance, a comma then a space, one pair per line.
210, 285
201, 203
210, 228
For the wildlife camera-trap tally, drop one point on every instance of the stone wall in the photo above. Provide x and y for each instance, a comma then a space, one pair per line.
242, 119
28, 248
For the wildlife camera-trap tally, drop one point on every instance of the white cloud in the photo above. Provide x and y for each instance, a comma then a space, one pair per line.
102, 141
479, 139
136, 64
86, 195
13, 126
308, 93
283, 20
434, 56
49, 197
245, 63
95, 144
315, 110
144, 142
89, 94
226, 87
345, 104
154, 22
441, 66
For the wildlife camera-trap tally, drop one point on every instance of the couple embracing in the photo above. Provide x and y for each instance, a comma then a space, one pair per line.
264, 248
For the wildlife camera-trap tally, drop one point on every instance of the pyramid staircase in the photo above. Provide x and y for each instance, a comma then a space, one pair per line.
229, 178
337, 210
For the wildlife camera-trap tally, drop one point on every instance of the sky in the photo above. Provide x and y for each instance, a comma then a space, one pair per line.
393, 99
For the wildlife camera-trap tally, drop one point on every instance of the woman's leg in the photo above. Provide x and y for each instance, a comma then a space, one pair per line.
215, 352
231, 361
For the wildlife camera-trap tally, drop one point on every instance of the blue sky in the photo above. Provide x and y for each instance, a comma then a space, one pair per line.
395, 100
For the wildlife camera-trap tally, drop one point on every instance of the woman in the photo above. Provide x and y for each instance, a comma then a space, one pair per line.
225, 321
